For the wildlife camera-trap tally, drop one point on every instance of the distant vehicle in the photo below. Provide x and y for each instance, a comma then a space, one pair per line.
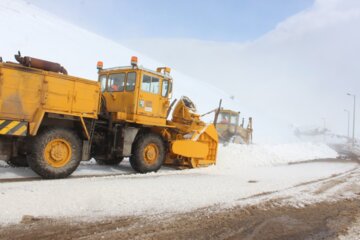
230, 130
311, 132
228, 127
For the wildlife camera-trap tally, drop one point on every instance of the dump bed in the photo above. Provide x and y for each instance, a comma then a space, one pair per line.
24, 92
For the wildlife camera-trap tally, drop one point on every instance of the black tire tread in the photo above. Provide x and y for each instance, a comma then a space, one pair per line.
136, 159
37, 162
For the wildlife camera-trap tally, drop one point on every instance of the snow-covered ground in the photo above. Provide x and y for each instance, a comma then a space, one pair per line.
272, 154
232, 157
242, 171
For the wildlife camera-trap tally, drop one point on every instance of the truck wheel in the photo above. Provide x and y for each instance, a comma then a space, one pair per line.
55, 153
19, 161
111, 161
148, 153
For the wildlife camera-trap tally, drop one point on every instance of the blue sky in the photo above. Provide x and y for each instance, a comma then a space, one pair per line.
212, 20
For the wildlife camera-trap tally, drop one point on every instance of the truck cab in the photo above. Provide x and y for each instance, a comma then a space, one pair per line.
135, 94
229, 118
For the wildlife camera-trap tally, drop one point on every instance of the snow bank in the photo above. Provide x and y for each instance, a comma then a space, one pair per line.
241, 172
233, 156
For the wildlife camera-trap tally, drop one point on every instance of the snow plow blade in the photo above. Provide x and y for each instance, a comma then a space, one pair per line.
188, 148
198, 151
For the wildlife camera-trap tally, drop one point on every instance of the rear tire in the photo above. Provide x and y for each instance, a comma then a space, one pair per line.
18, 161
148, 153
110, 162
55, 153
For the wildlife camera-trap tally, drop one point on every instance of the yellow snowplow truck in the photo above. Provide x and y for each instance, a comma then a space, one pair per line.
51, 121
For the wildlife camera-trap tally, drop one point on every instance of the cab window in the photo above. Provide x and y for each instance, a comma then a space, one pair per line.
165, 88
234, 119
130, 82
116, 82
150, 84
170, 89
102, 80
155, 84
146, 82
224, 118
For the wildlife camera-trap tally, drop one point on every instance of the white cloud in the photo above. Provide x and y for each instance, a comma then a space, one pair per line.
297, 73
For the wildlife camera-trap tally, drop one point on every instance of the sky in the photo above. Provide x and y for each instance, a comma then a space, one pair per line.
287, 63
295, 75
214, 20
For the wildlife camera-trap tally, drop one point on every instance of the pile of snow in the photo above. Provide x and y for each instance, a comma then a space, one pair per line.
242, 171
354, 150
233, 156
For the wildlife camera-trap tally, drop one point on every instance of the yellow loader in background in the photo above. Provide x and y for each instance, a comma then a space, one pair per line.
230, 130
51, 121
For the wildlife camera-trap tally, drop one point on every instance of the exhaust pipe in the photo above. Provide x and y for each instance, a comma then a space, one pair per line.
40, 64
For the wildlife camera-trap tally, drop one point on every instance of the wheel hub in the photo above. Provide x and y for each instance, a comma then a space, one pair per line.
58, 152
151, 153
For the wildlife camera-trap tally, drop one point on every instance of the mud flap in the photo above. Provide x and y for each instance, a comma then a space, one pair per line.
85, 151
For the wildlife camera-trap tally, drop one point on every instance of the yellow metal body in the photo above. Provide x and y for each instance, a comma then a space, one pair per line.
194, 143
27, 94
141, 96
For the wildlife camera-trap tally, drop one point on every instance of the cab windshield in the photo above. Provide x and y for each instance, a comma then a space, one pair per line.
170, 89
118, 82
224, 118
234, 119
227, 118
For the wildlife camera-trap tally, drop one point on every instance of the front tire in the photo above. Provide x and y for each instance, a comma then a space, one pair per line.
148, 153
55, 153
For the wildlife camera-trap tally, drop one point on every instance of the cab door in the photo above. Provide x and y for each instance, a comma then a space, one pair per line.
119, 92
112, 88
